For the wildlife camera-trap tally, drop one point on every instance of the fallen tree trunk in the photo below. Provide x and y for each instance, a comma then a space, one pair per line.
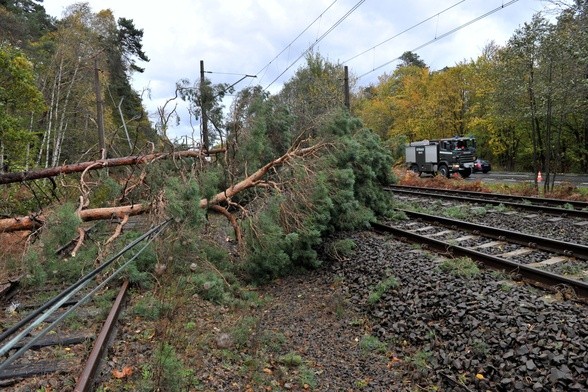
33, 222
8, 178
256, 177
36, 221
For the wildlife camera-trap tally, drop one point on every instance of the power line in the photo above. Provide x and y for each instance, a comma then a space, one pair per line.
355, 7
404, 31
298, 36
444, 35
227, 73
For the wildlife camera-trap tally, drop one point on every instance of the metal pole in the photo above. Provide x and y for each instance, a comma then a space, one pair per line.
346, 88
203, 108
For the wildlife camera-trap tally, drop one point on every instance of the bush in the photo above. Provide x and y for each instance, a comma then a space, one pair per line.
60, 229
183, 202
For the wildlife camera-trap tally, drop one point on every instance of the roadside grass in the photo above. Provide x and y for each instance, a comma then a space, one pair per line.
371, 344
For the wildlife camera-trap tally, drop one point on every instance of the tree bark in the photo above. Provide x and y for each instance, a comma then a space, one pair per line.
36, 221
8, 178
256, 177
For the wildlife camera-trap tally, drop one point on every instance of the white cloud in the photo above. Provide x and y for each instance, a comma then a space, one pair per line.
242, 36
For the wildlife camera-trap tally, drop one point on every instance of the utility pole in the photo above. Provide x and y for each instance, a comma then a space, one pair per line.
99, 110
203, 108
346, 88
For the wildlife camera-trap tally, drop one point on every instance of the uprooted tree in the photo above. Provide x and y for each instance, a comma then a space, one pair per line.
284, 181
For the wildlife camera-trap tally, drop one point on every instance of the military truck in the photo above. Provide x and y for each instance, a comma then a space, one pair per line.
442, 156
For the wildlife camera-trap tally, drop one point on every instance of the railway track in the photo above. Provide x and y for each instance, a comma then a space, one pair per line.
54, 345
50, 346
537, 259
528, 203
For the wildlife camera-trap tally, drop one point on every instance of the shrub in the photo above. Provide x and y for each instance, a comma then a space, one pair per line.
61, 228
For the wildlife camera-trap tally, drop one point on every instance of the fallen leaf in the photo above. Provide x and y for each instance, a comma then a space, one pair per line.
127, 371
393, 361
480, 376
267, 370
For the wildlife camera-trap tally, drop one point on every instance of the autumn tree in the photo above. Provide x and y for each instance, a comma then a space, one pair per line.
569, 41
89, 59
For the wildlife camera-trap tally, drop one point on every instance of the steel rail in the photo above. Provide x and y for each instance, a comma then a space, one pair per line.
86, 379
153, 233
531, 207
532, 241
531, 274
61, 297
578, 204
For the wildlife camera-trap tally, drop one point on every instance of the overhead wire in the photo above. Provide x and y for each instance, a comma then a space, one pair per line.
504, 5
353, 9
404, 31
295, 39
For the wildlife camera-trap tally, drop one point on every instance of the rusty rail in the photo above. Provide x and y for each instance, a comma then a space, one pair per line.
86, 379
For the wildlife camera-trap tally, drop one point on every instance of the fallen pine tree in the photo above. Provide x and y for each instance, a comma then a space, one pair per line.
35, 221
9, 178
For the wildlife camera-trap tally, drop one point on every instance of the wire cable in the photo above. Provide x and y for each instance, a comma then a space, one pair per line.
47, 329
443, 35
403, 31
295, 39
355, 7
67, 293
73, 287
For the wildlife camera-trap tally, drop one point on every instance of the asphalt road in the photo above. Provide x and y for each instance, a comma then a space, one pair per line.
576, 179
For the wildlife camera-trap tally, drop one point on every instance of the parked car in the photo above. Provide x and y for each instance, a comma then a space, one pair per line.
482, 165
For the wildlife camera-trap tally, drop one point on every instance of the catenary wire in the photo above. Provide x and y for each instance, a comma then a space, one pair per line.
75, 287
403, 31
443, 35
64, 293
355, 7
24, 348
295, 39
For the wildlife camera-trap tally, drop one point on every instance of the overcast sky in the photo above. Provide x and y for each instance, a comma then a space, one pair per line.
238, 37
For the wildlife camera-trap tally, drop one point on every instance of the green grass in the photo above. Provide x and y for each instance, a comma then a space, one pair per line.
377, 292
369, 343
462, 266
420, 359
291, 360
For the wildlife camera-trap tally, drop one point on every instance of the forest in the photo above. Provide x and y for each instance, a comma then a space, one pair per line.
284, 169
525, 102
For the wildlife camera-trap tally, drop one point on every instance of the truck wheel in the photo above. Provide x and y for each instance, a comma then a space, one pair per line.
415, 169
465, 173
444, 170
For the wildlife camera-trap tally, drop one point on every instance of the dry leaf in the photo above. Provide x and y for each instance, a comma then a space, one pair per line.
127, 371
393, 361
